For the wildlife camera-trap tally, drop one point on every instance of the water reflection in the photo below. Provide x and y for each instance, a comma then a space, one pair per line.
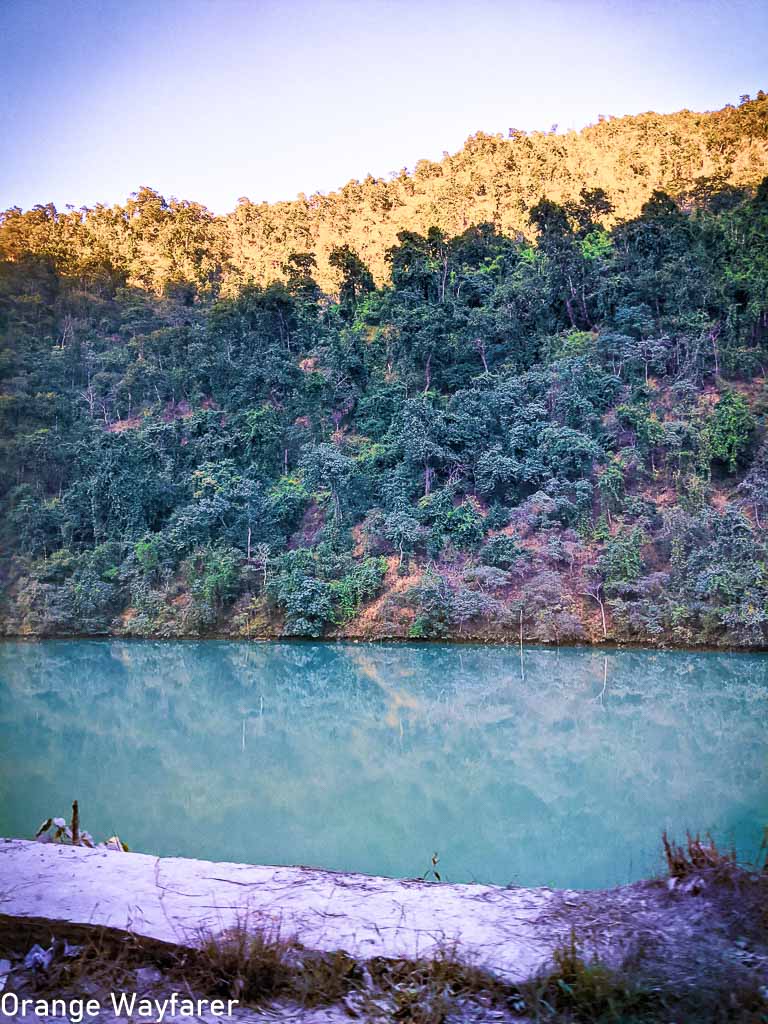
562, 771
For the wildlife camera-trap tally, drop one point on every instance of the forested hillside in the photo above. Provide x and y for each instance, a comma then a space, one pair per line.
522, 388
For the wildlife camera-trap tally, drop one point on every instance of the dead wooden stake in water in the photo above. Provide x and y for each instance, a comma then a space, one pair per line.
75, 824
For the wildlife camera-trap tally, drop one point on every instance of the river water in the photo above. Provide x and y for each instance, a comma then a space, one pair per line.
560, 770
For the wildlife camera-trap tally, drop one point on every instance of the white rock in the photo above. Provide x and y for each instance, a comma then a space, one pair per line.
174, 899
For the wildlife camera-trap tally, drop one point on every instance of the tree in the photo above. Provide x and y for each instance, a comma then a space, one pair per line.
325, 465
356, 279
729, 430
403, 531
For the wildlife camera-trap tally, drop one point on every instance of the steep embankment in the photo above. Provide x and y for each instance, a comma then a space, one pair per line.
551, 423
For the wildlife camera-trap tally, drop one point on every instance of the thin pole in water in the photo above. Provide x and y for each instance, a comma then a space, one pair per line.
522, 663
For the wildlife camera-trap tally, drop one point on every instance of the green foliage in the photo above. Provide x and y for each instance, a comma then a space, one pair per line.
622, 560
403, 530
431, 599
441, 607
213, 577
501, 551
361, 583
288, 497
576, 343
463, 525
184, 434
610, 483
729, 430
318, 588
588, 992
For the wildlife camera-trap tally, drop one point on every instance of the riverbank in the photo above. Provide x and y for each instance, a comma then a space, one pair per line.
462, 603
696, 942
349, 637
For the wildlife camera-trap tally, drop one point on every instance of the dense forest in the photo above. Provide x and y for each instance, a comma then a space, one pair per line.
523, 389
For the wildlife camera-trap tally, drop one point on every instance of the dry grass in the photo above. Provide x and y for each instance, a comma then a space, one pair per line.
698, 856
428, 990
721, 948
242, 963
741, 892
580, 991
256, 963
106, 960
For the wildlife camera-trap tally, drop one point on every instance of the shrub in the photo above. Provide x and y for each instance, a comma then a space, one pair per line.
318, 587
473, 605
355, 587
464, 525
696, 856
306, 601
432, 600
622, 561
501, 552
728, 433
213, 577
486, 577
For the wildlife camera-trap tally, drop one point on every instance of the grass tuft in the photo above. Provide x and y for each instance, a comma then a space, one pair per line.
428, 990
257, 963
697, 857
103, 960
589, 992
241, 963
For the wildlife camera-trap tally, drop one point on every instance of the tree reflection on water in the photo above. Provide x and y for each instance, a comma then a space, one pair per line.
370, 757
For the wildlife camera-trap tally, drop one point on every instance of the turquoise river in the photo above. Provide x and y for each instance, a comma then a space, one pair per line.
560, 768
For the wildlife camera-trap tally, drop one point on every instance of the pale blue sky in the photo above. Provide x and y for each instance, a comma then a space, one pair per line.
215, 99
